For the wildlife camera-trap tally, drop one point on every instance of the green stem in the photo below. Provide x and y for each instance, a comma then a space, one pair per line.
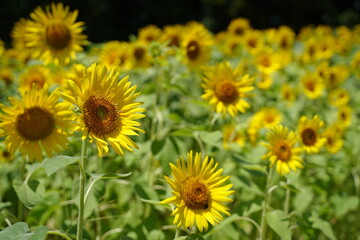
59, 234
177, 233
79, 234
287, 199
265, 205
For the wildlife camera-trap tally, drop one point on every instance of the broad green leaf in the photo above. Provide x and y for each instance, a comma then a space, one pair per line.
26, 194
211, 138
344, 204
322, 225
31, 168
14, 231
291, 187
5, 204
302, 199
278, 221
52, 165
43, 210
195, 236
186, 132
157, 145
21, 231
157, 235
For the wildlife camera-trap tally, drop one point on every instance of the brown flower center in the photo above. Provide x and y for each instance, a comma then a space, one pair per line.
252, 42
195, 193
310, 85
226, 92
193, 50
139, 53
282, 151
100, 115
265, 61
36, 80
35, 124
175, 41
239, 31
58, 36
308, 137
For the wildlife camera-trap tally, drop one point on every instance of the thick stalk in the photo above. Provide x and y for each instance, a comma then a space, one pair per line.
287, 199
265, 205
79, 235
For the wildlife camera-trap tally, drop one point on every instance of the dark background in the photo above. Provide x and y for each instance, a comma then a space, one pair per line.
117, 19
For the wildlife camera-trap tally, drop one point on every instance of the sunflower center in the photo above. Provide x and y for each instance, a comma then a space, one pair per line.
35, 124
175, 41
139, 53
58, 36
310, 86
193, 50
195, 193
6, 154
308, 136
226, 92
282, 151
239, 31
265, 61
252, 43
100, 115
37, 80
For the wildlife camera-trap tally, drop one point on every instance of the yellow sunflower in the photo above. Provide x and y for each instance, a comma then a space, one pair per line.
239, 26
34, 76
344, 115
264, 80
312, 85
309, 132
172, 35
284, 37
268, 117
149, 33
233, 135
7, 75
336, 75
34, 123
18, 35
333, 136
198, 191
140, 56
253, 41
53, 35
288, 93
267, 61
196, 44
282, 150
232, 45
116, 54
339, 97
226, 89
107, 109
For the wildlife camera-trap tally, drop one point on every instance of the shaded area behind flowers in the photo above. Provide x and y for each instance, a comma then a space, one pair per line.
123, 18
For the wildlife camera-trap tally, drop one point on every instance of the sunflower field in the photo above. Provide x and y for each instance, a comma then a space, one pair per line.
179, 133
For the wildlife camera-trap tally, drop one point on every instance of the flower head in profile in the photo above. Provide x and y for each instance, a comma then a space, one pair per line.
333, 135
108, 111
282, 151
36, 122
36, 76
199, 192
226, 89
53, 34
309, 132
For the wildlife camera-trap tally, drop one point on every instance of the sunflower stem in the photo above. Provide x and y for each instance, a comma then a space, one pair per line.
79, 235
177, 233
265, 205
287, 198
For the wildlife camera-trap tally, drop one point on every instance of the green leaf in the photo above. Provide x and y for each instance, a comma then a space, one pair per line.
31, 168
26, 194
156, 235
157, 145
5, 204
51, 165
278, 221
303, 199
101, 176
291, 187
343, 205
195, 236
211, 138
186, 132
322, 225
21, 231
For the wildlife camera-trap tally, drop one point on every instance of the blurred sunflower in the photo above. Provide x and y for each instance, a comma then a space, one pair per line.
288, 93
108, 109
198, 191
312, 85
172, 35
333, 136
36, 76
268, 117
196, 44
35, 122
339, 97
226, 89
6, 156
233, 135
140, 57
264, 80
344, 115
336, 75
239, 26
149, 33
7, 75
116, 54
284, 37
267, 61
282, 150
309, 132
232, 45
253, 41
18, 35
53, 35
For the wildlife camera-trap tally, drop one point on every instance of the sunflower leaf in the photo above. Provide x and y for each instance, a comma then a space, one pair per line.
195, 236
21, 231
52, 165
322, 225
278, 221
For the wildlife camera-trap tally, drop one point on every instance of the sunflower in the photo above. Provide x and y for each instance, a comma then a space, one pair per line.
312, 85
140, 56
239, 26
309, 132
267, 61
34, 76
108, 109
196, 44
288, 93
336, 75
339, 97
198, 192
253, 41
35, 122
116, 54
232, 45
344, 115
264, 80
282, 150
6, 74
333, 135
268, 117
53, 35
284, 37
149, 33
18, 35
172, 35
226, 89
233, 135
